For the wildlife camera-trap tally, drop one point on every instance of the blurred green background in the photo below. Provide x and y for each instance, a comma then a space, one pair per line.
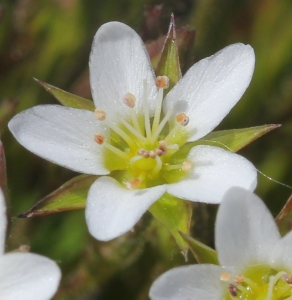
51, 40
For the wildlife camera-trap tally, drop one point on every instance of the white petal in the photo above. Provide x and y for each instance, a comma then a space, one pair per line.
112, 209
245, 229
212, 87
61, 135
197, 282
28, 276
119, 64
3, 222
213, 172
281, 255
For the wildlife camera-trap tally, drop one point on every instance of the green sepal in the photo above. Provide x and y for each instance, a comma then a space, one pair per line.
66, 98
284, 218
168, 63
236, 139
71, 195
202, 253
233, 139
175, 214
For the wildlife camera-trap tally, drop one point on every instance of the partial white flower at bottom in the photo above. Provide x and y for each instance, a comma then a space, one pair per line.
256, 261
25, 276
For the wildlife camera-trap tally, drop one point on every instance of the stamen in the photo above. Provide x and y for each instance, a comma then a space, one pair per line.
135, 120
162, 82
133, 184
152, 154
146, 110
130, 100
173, 147
136, 158
116, 150
225, 277
232, 289
161, 125
158, 152
120, 132
248, 281
239, 279
173, 131
99, 138
287, 278
157, 110
270, 289
132, 129
163, 147
183, 119
100, 114
158, 165
186, 165
279, 275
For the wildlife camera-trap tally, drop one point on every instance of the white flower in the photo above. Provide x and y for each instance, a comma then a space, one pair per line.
257, 261
137, 139
25, 276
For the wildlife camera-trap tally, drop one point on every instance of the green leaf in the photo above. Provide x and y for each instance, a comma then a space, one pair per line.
168, 63
202, 253
284, 218
71, 195
175, 214
66, 98
236, 139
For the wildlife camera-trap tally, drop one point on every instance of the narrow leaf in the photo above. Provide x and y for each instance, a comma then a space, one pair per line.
202, 253
71, 195
175, 214
169, 60
235, 139
284, 218
66, 98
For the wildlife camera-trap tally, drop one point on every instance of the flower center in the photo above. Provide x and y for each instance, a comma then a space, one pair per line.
141, 149
258, 283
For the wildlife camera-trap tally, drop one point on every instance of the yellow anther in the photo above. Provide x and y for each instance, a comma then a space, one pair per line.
162, 82
99, 138
130, 100
100, 114
186, 165
183, 119
133, 184
225, 277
